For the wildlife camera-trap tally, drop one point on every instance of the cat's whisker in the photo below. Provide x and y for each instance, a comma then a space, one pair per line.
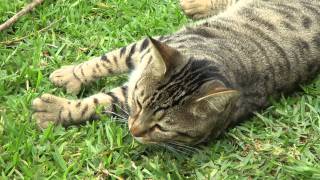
184, 147
178, 144
179, 149
174, 149
121, 120
123, 110
162, 145
187, 146
113, 113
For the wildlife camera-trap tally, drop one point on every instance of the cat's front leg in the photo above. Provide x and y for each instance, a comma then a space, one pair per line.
115, 62
52, 109
57, 110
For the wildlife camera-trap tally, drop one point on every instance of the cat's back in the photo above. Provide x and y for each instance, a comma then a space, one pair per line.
264, 46
271, 42
276, 14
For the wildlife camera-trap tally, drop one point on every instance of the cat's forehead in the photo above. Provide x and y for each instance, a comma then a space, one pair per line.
140, 84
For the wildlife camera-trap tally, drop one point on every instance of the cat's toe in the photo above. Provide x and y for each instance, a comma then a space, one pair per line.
196, 9
37, 105
49, 98
188, 7
59, 77
43, 119
73, 87
199, 16
65, 77
47, 108
188, 4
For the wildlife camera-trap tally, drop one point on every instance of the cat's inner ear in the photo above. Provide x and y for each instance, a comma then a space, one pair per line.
164, 57
214, 97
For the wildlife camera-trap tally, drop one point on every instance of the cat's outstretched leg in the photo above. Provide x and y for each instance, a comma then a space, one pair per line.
118, 61
198, 9
57, 110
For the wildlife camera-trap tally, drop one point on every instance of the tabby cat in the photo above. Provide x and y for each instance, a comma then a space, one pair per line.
193, 84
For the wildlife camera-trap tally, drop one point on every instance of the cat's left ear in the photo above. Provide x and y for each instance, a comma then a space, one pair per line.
214, 97
165, 57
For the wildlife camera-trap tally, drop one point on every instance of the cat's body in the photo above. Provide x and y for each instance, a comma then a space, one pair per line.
261, 48
197, 81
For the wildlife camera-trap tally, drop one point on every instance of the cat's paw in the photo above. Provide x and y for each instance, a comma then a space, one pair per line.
65, 77
196, 9
51, 109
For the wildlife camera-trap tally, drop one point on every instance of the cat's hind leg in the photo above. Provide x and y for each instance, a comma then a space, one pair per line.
118, 61
57, 110
198, 9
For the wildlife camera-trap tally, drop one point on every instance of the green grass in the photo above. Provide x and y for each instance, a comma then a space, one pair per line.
281, 142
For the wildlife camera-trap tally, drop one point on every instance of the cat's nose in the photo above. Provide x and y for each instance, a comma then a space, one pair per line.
136, 132
136, 129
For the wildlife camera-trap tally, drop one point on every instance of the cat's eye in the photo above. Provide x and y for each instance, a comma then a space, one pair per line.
158, 128
139, 104
136, 107
159, 114
169, 121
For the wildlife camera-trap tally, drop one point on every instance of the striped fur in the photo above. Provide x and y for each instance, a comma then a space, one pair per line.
194, 83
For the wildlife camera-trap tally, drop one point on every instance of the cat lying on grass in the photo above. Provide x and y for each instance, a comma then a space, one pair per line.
191, 85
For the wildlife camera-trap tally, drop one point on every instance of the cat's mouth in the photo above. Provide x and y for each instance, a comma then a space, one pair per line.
148, 135
139, 129
145, 136
148, 140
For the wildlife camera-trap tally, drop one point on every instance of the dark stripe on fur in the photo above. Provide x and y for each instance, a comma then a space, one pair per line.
123, 51
84, 110
273, 43
254, 17
115, 60
129, 62
105, 58
95, 101
184, 83
144, 44
114, 101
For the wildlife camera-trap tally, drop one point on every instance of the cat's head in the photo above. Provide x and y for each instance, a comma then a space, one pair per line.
174, 98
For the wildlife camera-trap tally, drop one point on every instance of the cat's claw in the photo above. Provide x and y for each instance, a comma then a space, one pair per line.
50, 109
64, 77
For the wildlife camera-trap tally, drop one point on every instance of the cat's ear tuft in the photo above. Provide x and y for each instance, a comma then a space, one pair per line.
165, 57
214, 97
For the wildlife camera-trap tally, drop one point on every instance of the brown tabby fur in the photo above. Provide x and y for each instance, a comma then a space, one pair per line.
194, 83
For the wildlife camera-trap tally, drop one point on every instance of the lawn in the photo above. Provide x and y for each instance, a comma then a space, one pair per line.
281, 142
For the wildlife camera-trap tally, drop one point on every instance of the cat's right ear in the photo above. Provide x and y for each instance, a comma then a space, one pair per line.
214, 97
164, 57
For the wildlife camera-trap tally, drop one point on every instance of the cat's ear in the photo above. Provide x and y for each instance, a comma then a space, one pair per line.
164, 57
214, 97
